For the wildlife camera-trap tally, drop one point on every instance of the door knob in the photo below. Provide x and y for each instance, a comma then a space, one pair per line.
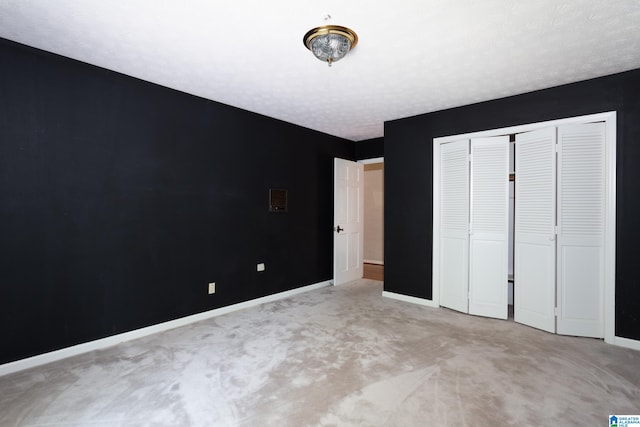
338, 229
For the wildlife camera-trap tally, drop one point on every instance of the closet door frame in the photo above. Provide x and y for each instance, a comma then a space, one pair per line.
610, 119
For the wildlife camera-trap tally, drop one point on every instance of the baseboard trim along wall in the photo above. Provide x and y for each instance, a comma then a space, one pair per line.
75, 350
627, 343
41, 359
406, 298
618, 341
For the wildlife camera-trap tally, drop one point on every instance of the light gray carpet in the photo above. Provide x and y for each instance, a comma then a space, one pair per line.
338, 356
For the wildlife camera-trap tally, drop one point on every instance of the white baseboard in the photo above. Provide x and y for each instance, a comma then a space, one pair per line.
406, 298
75, 350
619, 341
626, 342
370, 261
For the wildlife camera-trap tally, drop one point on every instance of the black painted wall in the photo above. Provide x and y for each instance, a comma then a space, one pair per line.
369, 148
120, 200
408, 155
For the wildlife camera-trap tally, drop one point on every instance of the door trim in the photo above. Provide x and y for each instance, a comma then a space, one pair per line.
610, 119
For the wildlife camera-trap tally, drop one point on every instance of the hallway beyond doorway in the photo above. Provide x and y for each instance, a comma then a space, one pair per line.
373, 271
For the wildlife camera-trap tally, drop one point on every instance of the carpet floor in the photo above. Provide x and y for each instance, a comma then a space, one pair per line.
337, 356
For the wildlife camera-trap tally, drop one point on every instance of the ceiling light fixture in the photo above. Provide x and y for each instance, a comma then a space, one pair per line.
330, 43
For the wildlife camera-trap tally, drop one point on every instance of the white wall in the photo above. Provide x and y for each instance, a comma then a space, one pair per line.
374, 213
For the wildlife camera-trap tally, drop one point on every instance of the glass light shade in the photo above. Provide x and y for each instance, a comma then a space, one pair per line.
330, 43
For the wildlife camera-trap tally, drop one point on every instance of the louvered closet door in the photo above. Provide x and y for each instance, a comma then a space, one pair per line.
581, 196
489, 233
535, 215
454, 225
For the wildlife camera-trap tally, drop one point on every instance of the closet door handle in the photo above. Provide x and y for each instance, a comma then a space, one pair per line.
552, 238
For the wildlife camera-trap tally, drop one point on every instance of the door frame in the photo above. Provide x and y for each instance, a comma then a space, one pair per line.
364, 162
610, 119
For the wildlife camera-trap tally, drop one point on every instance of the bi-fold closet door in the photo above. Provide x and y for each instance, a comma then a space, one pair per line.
560, 229
474, 197
534, 247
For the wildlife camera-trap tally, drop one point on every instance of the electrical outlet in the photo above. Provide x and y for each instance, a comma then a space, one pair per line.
212, 288
260, 267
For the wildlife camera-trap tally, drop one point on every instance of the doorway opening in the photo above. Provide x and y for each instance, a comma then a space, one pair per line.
373, 251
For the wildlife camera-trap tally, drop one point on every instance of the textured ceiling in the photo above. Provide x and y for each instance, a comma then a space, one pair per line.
413, 57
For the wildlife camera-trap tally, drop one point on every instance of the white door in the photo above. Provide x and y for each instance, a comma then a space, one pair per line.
581, 198
489, 229
454, 225
535, 234
348, 224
